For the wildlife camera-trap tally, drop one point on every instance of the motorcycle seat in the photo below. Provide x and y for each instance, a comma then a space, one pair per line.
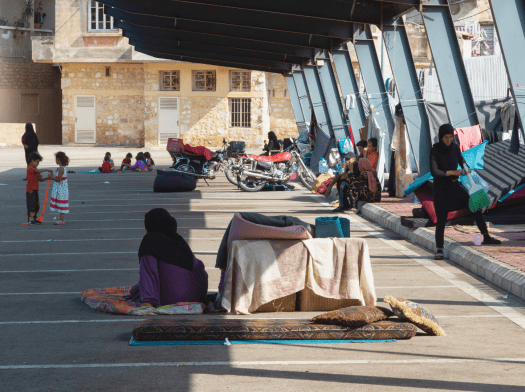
281, 157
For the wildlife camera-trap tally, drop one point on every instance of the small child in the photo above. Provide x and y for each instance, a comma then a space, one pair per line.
108, 154
150, 163
33, 178
106, 166
126, 162
140, 164
60, 193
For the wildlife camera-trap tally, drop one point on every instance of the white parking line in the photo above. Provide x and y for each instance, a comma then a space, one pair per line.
89, 253
258, 364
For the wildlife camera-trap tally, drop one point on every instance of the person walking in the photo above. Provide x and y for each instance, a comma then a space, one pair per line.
30, 142
445, 157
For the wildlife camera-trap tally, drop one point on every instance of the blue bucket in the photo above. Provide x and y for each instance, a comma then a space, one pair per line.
332, 226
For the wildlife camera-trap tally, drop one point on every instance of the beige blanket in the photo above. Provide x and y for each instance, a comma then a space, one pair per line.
259, 272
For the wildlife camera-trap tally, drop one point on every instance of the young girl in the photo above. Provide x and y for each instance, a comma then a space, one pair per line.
150, 163
126, 162
108, 154
140, 164
60, 193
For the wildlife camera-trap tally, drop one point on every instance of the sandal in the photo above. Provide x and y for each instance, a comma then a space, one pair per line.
59, 223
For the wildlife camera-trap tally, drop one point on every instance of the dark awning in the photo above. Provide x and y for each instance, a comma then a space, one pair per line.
270, 35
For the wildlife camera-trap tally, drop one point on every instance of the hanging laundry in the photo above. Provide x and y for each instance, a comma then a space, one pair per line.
403, 171
508, 112
515, 141
468, 137
350, 102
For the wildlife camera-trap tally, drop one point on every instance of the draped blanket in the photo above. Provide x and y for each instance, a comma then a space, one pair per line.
259, 272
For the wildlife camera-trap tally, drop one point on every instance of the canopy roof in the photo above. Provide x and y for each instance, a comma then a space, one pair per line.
265, 35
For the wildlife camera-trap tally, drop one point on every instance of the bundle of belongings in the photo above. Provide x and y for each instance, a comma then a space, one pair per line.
498, 168
356, 323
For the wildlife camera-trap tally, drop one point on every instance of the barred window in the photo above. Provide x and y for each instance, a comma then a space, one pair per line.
170, 80
204, 80
240, 80
98, 20
240, 112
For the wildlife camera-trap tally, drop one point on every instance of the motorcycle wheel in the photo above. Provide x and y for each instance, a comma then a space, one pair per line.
186, 167
307, 178
231, 174
250, 184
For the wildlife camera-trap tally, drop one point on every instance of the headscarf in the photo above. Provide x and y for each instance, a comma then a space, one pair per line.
30, 137
367, 170
445, 129
163, 242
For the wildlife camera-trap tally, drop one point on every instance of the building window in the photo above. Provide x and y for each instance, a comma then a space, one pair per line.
108, 72
240, 112
170, 80
204, 80
240, 80
98, 20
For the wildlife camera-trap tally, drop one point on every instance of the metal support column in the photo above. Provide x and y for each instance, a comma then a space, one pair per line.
296, 105
509, 17
302, 92
449, 64
318, 99
410, 96
349, 87
374, 84
331, 94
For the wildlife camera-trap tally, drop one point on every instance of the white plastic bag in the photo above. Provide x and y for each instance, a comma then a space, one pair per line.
334, 158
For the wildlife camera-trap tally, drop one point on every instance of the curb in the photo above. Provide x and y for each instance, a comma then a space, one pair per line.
489, 268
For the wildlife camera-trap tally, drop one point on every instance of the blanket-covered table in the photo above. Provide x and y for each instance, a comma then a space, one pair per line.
259, 272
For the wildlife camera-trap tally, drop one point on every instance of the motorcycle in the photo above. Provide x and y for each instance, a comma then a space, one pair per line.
256, 171
197, 166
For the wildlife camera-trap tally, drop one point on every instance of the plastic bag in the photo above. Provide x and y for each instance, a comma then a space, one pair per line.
465, 183
344, 145
334, 158
332, 226
323, 165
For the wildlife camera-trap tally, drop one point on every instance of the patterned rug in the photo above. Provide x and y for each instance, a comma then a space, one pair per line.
134, 342
266, 329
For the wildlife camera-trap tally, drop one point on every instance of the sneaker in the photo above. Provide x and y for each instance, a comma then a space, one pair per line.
438, 255
340, 209
59, 223
492, 241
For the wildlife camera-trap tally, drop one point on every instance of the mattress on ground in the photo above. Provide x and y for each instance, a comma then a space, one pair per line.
266, 329
502, 170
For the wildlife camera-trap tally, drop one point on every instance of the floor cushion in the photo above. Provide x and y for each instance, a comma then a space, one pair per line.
426, 197
416, 313
354, 316
167, 181
266, 329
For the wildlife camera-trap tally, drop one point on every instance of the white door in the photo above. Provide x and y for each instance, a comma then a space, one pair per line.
168, 119
85, 119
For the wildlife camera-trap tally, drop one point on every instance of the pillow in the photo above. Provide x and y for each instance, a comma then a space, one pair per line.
415, 313
417, 183
354, 316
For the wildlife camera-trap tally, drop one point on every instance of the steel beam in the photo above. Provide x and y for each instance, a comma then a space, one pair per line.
224, 31
212, 56
450, 68
294, 98
331, 95
509, 17
317, 98
375, 85
154, 33
204, 60
175, 9
303, 93
167, 46
410, 96
348, 83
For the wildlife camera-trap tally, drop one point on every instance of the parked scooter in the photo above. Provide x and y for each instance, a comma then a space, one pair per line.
256, 171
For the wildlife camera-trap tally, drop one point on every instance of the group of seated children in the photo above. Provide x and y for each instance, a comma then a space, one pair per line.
144, 162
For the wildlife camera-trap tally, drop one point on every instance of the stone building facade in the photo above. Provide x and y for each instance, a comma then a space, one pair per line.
127, 91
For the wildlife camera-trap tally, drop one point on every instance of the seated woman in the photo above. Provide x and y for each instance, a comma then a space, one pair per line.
169, 271
273, 143
364, 186
371, 153
445, 157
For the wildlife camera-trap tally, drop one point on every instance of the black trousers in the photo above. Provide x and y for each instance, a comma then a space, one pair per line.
342, 188
452, 197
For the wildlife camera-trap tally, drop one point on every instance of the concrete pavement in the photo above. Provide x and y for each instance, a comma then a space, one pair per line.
51, 341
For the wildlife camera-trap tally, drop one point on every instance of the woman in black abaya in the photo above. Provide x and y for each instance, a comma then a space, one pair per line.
30, 141
448, 193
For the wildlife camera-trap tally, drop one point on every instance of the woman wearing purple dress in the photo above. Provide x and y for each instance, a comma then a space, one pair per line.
169, 272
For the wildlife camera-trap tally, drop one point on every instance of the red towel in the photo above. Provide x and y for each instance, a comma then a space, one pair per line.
208, 154
468, 137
